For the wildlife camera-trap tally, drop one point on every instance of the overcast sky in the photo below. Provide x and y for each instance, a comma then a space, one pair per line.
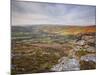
31, 13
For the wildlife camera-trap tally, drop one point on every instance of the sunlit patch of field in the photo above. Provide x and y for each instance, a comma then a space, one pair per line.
72, 30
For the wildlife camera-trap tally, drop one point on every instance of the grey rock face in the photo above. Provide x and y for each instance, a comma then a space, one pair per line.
66, 64
91, 40
81, 42
89, 57
86, 42
91, 49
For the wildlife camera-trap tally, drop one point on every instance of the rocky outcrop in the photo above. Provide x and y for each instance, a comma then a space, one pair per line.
88, 62
89, 57
66, 64
81, 56
86, 49
86, 42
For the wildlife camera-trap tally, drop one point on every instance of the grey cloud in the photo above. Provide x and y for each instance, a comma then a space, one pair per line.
34, 12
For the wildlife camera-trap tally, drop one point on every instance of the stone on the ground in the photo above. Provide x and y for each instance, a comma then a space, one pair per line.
66, 64
81, 42
89, 57
91, 49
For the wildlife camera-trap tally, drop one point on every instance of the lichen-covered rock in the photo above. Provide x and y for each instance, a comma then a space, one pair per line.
91, 40
77, 48
91, 49
88, 62
89, 57
66, 64
80, 42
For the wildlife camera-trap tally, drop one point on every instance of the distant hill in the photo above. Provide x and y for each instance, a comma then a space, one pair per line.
66, 30
55, 29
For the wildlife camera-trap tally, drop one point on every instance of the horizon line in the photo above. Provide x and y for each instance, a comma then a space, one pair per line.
52, 25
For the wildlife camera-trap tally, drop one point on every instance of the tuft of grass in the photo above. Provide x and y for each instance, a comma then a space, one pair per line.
81, 53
